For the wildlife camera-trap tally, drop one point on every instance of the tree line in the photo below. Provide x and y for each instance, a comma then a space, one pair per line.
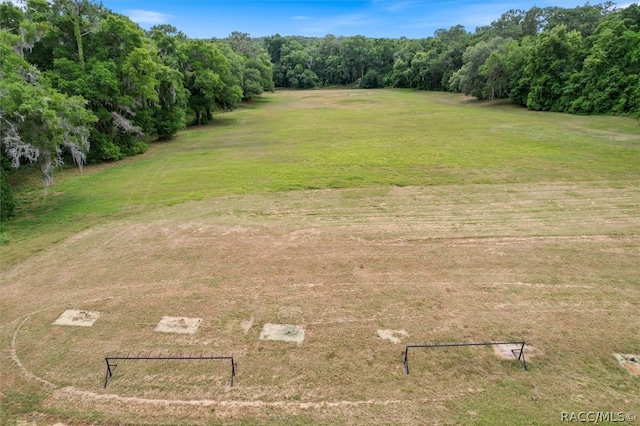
79, 83
580, 60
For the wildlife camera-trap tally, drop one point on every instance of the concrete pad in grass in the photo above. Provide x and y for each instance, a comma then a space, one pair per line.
182, 325
76, 317
283, 332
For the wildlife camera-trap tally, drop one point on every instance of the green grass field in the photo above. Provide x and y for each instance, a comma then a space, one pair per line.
347, 211
337, 139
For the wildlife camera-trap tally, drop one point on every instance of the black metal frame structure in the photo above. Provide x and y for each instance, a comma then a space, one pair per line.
518, 353
111, 366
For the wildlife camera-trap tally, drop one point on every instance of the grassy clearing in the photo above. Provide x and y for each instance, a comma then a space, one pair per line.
334, 139
543, 248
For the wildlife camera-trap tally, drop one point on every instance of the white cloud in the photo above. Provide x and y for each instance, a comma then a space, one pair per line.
147, 16
301, 18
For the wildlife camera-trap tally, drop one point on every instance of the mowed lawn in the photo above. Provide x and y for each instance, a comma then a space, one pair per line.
293, 140
347, 212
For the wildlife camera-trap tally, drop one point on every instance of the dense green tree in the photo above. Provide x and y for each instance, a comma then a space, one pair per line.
38, 123
167, 38
114, 70
242, 44
121, 77
297, 62
381, 57
450, 46
428, 64
205, 70
10, 17
583, 19
328, 64
426, 71
401, 74
274, 45
356, 56
250, 65
514, 24
609, 80
372, 80
170, 114
520, 80
82, 17
554, 57
263, 65
231, 93
501, 69
469, 79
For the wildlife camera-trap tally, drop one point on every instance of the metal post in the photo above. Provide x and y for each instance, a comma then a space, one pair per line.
108, 374
523, 362
233, 370
406, 360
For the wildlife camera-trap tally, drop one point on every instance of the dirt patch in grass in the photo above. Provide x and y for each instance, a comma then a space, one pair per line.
629, 362
246, 325
394, 336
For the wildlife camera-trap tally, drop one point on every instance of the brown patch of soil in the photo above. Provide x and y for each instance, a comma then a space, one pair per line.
246, 325
394, 336
629, 362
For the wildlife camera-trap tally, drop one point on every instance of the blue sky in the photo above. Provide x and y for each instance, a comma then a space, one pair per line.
370, 18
